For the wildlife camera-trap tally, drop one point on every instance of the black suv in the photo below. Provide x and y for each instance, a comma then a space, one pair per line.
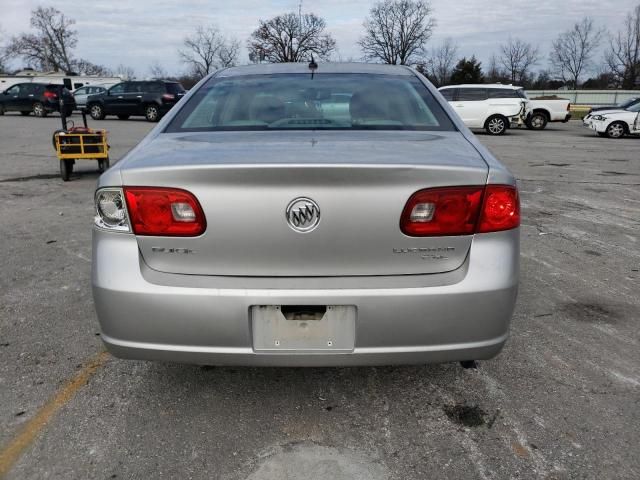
150, 99
39, 98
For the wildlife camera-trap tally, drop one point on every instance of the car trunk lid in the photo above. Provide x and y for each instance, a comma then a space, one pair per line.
360, 182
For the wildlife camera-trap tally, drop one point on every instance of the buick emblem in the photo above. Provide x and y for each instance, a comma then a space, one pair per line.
303, 214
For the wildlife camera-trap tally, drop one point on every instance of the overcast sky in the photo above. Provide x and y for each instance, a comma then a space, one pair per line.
140, 32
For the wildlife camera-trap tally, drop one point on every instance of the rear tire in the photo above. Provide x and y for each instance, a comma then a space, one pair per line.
39, 110
123, 117
103, 164
616, 130
496, 125
152, 113
66, 169
96, 111
537, 121
1, 110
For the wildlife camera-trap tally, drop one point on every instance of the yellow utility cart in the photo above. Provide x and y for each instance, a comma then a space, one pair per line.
80, 143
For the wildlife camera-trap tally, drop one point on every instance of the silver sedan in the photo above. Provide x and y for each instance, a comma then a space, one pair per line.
284, 215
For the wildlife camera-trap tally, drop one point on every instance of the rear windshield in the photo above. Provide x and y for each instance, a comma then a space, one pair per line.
174, 88
324, 102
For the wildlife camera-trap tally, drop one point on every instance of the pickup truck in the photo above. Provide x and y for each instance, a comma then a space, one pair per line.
547, 109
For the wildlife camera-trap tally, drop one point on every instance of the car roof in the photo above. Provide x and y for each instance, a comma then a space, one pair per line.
483, 85
303, 67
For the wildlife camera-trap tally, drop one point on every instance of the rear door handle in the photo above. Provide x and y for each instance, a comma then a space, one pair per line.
460, 106
31, 94
138, 96
120, 96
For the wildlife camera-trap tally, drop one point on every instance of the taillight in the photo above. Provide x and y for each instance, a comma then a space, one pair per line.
50, 95
442, 211
168, 212
168, 96
461, 211
568, 107
500, 209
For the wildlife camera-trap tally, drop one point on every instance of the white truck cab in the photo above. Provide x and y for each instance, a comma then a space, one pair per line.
492, 107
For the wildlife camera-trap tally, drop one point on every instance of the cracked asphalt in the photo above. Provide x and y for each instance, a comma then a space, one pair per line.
561, 402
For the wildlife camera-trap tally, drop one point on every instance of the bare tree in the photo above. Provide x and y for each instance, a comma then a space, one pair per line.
440, 64
571, 52
50, 46
495, 74
517, 57
125, 72
4, 57
290, 38
85, 67
397, 31
208, 50
623, 57
158, 71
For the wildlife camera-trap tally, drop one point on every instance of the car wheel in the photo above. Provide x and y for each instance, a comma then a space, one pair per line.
68, 112
39, 110
496, 125
103, 164
615, 130
25, 114
96, 111
66, 168
537, 121
152, 113
123, 117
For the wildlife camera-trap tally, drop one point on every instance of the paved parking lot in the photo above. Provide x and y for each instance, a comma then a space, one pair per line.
561, 402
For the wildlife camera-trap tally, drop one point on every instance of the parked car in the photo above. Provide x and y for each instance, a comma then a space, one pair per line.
150, 99
615, 123
277, 217
37, 98
626, 104
81, 94
545, 110
491, 107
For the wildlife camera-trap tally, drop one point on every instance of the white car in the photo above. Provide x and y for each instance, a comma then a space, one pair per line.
615, 123
491, 107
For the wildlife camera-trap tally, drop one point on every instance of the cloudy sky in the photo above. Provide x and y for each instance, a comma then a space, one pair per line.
141, 32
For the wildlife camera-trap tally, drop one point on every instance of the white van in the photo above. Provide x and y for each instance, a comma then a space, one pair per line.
491, 107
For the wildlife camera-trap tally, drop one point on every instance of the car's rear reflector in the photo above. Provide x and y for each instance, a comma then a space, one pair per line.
164, 212
465, 210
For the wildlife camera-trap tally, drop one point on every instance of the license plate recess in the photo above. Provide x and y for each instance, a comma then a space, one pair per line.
303, 329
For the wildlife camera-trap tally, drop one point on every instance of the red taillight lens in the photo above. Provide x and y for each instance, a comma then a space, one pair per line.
500, 209
168, 96
461, 211
50, 95
164, 212
442, 211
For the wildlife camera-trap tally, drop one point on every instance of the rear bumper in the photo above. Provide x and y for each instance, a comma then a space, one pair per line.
397, 324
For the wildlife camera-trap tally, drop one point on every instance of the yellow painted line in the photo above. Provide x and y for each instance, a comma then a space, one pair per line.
10, 454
